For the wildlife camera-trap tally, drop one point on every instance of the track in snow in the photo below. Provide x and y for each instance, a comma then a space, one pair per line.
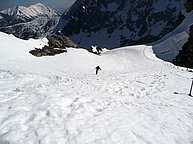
130, 101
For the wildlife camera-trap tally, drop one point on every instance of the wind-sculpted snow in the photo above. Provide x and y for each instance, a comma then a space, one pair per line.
136, 98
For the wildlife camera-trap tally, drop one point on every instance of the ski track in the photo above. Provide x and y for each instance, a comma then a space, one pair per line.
134, 107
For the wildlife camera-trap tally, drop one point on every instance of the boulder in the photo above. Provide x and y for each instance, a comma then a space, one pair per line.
61, 41
46, 51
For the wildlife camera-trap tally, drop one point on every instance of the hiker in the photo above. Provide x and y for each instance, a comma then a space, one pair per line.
98, 50
97, 69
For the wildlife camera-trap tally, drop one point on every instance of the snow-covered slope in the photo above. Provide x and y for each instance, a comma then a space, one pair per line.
61, 100
28, 22
116, 23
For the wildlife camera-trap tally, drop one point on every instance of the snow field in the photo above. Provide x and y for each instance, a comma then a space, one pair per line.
112, 110
61, 100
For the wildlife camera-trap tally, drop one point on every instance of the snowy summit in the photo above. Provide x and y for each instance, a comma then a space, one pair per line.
28, 22
30, 12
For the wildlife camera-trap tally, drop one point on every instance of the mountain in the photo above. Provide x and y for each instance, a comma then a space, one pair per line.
137, 98
116, 23
168, 47
28, 22
185, 55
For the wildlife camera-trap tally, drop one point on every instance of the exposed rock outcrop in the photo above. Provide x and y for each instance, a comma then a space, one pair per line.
189, 5
185, 56
56, 44
60, 41
46, 51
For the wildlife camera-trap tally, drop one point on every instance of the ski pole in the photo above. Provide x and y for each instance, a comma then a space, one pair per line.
190, 94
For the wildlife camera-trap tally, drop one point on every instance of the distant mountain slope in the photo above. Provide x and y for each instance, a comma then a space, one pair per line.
168, 47
115, 23
28, 22
185, 56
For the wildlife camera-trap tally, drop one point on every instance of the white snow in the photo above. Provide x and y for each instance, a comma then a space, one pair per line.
60, 99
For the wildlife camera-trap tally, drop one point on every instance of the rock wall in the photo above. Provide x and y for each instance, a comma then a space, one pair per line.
185, 56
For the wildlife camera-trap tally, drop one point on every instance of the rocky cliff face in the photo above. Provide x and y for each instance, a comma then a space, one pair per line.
185, 56
115, 23
28, 22
61, 41
189, 5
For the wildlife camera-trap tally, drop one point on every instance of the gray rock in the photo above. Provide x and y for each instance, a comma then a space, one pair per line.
61, 41
56, 44
46, 51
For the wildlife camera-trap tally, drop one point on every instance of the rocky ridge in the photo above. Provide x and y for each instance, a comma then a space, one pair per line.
28, 22
56, 44
115, 23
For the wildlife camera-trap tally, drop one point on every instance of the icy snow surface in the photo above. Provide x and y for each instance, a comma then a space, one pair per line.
60, 100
